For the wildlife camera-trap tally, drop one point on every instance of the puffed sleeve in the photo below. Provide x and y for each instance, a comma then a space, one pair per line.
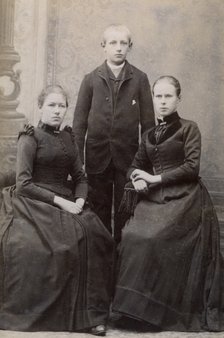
189, 170
141, 159
26, 153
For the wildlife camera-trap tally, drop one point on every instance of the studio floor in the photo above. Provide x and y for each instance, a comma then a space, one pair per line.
110, 333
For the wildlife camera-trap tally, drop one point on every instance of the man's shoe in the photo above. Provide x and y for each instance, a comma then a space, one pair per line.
99, 330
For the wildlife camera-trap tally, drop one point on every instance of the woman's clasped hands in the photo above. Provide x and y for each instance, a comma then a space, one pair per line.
141, 179
72, 207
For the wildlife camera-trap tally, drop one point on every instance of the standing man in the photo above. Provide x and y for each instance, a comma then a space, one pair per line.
113, 100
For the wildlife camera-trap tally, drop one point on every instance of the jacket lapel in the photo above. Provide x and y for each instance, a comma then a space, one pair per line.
102, 72
127, 73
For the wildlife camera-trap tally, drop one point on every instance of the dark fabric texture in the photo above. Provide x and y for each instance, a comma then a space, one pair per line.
170, 271
44, 162
108, 113
103, 189
55, 267
129, 200
112, 119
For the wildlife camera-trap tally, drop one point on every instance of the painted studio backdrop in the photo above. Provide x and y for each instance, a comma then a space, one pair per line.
59, 41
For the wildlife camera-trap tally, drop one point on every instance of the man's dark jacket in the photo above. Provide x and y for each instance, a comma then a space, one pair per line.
112, 128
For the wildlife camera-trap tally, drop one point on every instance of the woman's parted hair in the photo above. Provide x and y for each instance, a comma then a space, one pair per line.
51, 89
172, 80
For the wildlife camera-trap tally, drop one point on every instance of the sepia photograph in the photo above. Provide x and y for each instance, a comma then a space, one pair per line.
111, 168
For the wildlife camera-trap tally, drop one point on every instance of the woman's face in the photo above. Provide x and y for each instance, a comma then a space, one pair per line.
53, 109
165, 98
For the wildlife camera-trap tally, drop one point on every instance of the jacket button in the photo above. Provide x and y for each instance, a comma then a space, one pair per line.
156, 149
107, 98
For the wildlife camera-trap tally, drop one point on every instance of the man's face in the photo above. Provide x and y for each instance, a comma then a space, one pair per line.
116, 46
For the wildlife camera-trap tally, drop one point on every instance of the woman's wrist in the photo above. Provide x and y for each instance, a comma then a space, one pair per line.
57, 200
80, 201
157, 178
149, 178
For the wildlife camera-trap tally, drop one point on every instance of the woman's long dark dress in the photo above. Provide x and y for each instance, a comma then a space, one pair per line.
170, 272
55, 267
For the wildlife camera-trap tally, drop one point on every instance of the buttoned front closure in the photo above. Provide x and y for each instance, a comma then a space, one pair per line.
111, 117
168, 154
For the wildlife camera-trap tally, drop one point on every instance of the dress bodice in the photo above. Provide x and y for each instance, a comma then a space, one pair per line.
175, 155
168, 151
44, 162
54, 157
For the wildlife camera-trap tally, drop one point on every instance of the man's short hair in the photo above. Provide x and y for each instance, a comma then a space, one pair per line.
117, 27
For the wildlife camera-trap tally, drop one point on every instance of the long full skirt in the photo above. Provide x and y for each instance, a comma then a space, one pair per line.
55, 267
170, 271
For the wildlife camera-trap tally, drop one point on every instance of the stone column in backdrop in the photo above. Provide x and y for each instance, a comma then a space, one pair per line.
11, 121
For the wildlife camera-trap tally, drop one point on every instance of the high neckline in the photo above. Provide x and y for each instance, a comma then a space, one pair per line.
168, 119
48, 128
115, 69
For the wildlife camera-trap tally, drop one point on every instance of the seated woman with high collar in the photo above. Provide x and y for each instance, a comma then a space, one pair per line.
170, 272
56, 255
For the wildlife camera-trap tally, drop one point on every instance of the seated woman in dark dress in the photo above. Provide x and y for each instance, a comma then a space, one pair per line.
56, 255
170, 271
